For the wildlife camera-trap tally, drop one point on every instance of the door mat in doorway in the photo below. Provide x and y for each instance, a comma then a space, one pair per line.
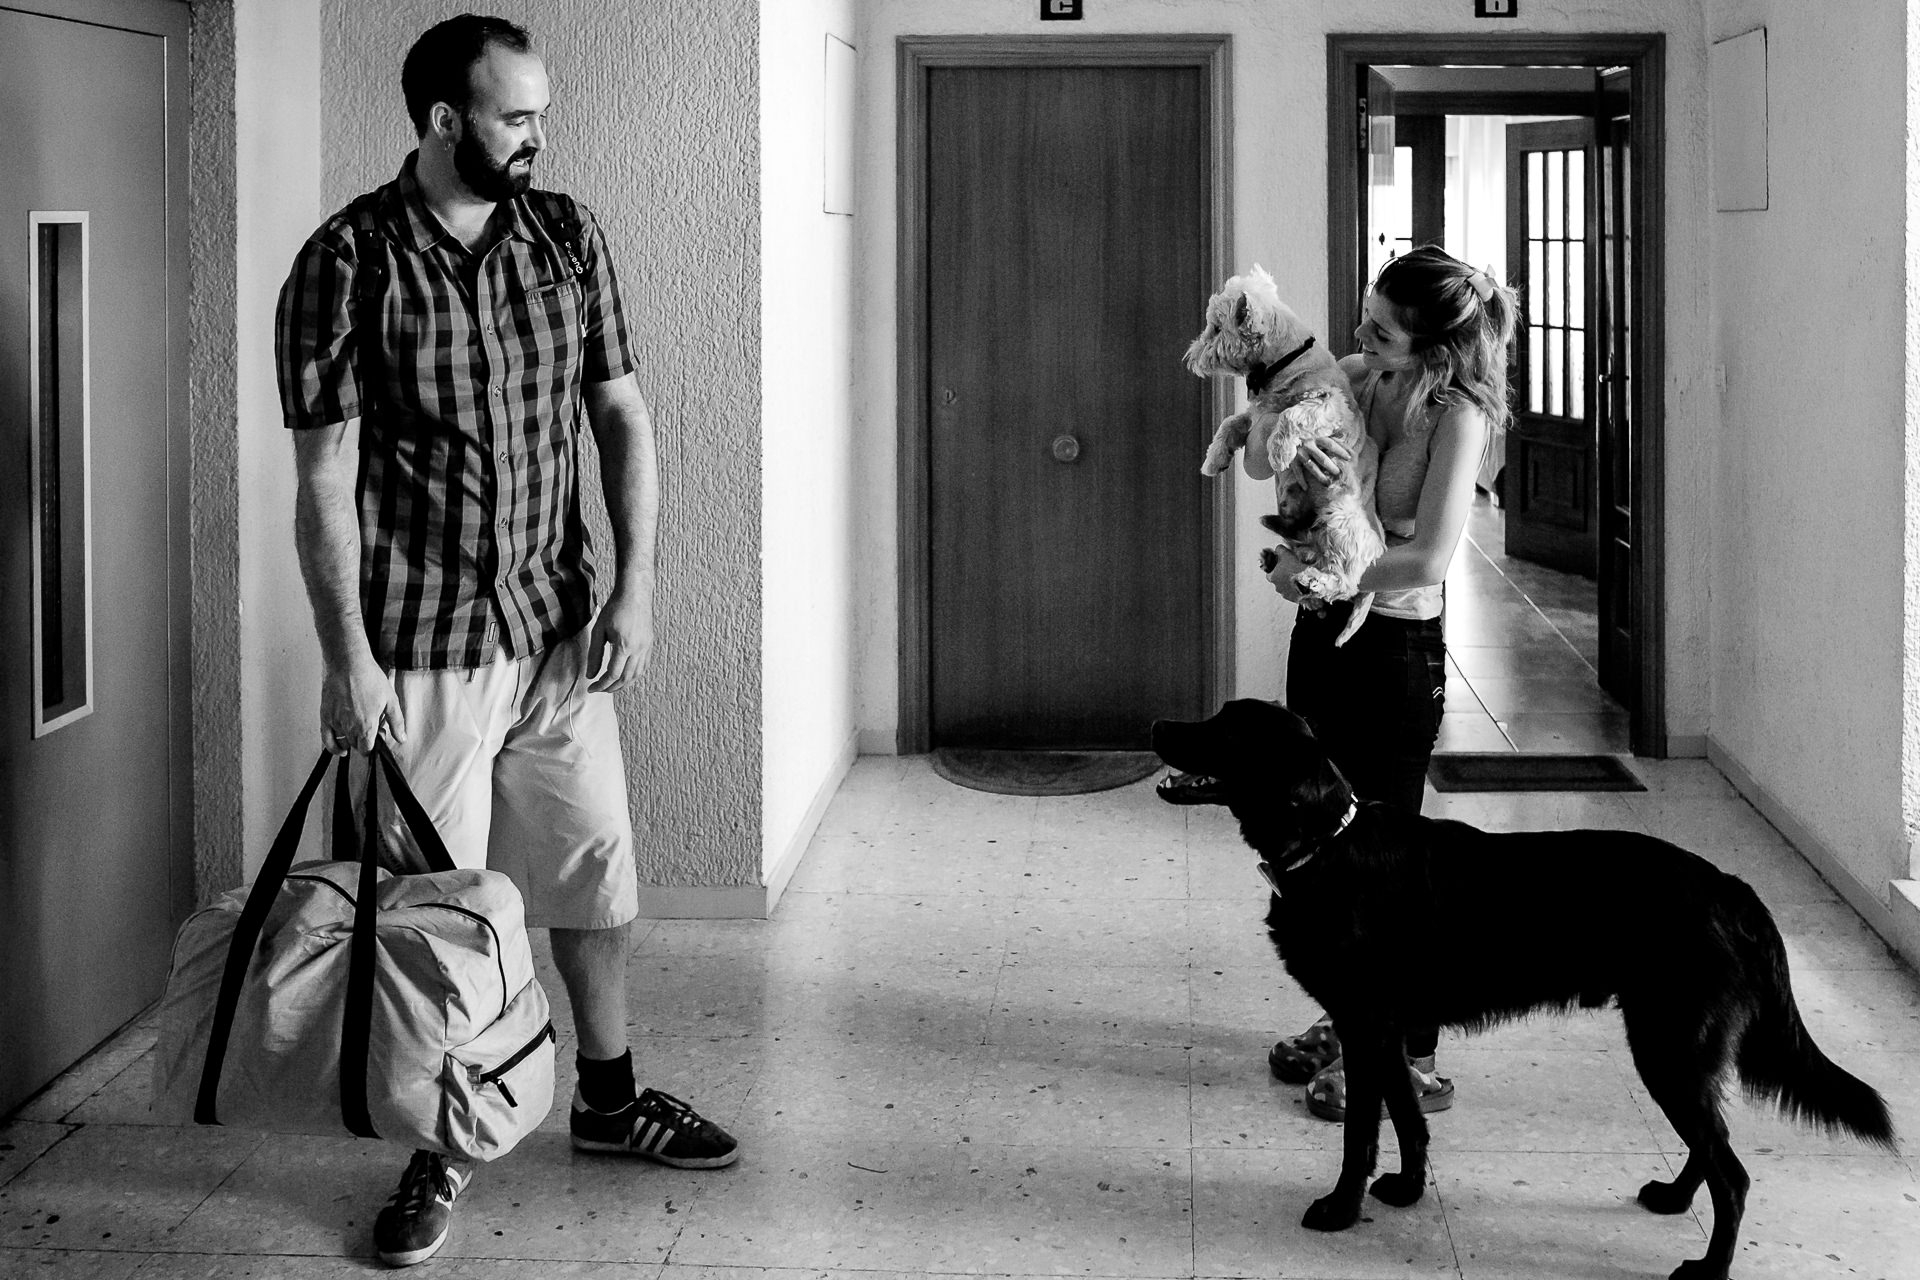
1042, 773
1518, 771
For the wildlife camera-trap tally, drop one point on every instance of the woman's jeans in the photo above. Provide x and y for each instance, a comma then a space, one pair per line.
1375, 704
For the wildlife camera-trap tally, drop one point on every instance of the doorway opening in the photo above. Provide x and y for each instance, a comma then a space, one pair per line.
1539, 159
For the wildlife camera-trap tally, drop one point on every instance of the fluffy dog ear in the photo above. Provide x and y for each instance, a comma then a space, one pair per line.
1240, 312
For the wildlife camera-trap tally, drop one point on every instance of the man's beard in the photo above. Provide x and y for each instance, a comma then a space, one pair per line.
483, 177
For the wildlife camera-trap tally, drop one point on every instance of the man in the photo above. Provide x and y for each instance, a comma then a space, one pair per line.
437, 342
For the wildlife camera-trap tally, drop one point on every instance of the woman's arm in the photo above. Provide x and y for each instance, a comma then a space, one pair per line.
1446, 498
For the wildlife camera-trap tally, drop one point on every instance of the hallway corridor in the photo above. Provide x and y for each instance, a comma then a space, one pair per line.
1010, 1036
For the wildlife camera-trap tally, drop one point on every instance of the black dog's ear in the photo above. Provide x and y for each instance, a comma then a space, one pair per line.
1320, 792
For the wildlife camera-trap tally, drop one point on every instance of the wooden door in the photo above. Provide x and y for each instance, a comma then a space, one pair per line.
92, 585
1613, 399
1551, 485
1383, 233
1067, 232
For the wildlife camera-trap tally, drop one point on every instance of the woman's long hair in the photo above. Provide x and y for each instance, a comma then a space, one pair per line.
1461, 321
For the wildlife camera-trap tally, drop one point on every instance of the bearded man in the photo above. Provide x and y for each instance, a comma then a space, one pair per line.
438, 342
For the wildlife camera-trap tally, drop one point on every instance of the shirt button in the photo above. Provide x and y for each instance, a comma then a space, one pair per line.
496, 389
503, 456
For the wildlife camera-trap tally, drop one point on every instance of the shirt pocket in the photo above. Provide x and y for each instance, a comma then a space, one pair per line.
554, 340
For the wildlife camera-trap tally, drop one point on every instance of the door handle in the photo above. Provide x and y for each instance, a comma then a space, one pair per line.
1065, 448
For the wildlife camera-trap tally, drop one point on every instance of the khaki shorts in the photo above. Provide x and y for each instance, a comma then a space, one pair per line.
519, 767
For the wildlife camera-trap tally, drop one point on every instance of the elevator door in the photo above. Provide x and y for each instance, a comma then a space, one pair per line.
92, 770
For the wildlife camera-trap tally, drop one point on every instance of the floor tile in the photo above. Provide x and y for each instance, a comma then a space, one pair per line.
1470, 731
77, 1264
1538, 1100
1520, 1216
1081, 1094
1505, 697
1064, 1210
802, 1201
1550, 731
24, 1141
1082, 931
812, 1083
1828, 1217
133, 1187
1110, 1004
1246, 1222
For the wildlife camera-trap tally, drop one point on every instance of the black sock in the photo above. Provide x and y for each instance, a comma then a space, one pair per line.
606, 1084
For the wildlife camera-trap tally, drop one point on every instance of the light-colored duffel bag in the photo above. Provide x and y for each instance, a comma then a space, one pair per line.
335, 997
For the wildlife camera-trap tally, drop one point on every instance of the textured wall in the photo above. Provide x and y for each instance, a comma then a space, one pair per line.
807, 496
277, 202
655, 127
1811, 542
1279, 220
214, 549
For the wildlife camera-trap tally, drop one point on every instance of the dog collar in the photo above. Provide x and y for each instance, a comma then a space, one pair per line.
1261, 375
1346, 820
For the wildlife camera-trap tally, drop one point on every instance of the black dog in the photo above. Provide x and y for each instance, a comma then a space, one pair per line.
1497, 926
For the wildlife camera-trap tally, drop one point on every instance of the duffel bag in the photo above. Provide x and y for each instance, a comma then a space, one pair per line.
334, 996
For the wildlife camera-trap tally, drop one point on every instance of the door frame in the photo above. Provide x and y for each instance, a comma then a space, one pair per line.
1644, 56
915, 55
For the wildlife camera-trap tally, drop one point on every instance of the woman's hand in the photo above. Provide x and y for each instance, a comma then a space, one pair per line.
1280, 574
1325, 459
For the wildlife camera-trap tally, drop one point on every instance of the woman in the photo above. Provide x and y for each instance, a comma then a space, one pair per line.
1431, 380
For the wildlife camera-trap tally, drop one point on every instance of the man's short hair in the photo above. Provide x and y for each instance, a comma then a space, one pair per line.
439, 66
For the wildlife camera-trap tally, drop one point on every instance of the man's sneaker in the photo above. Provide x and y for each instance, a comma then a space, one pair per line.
417, 1219
654, 1126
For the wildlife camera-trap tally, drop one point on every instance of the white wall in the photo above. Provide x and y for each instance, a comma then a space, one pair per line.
1280, 220
1813, 527
277, 203
807, 464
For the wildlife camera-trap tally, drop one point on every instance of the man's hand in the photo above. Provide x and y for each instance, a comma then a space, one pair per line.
621, 642
357, 704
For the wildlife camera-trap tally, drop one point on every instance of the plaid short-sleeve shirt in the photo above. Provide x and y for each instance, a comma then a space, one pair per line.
464, 369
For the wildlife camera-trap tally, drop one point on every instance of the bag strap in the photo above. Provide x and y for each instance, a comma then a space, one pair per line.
246, 933
357, 1018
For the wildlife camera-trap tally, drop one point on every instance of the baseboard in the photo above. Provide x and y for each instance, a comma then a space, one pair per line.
781, 872
1897, 922
703, 902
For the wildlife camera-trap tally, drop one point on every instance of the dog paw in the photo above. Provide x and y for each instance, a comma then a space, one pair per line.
1665, 1197
1321, 585
1334, 1212
1399, 1189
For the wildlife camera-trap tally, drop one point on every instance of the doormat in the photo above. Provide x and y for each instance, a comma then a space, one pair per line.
1515, 771
1042, 773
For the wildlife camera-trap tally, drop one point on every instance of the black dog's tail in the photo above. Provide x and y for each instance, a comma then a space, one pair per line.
1777, 1059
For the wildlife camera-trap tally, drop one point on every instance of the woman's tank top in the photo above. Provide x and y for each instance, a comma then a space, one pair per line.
1396, 496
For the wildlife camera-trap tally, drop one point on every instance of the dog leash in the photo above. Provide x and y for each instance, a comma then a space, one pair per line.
1262, 375
1266, 868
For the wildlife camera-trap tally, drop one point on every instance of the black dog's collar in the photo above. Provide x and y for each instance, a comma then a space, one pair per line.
1266, 868
1261, 375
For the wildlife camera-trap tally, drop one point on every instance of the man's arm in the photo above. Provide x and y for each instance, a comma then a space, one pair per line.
355, 694
622, 637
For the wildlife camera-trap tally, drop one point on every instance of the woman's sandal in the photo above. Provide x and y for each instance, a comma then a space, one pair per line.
1327, 1091
1302, 1057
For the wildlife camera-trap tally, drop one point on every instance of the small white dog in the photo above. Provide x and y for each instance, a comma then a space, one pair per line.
1295, 392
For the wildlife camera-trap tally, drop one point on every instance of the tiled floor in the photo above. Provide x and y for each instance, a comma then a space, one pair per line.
1523, 648
1027, 1037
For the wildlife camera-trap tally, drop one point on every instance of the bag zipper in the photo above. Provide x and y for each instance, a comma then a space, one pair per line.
499, 951
493, 1077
